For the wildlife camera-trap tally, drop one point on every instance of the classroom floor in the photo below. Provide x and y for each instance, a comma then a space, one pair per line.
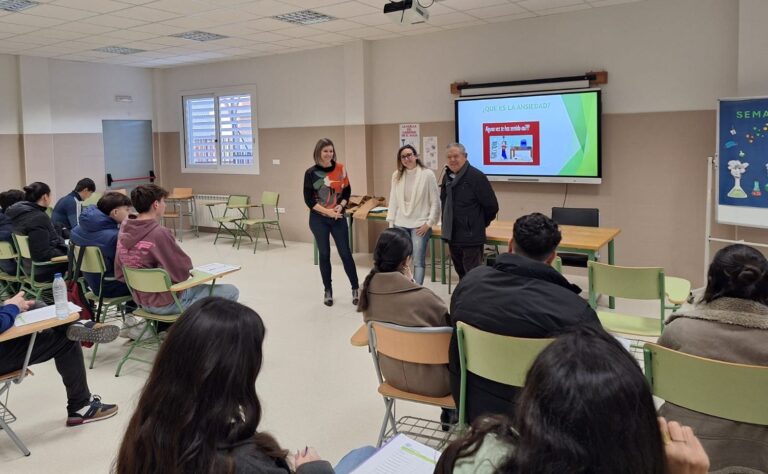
315, 388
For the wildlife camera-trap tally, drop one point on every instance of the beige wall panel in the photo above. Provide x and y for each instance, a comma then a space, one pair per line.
11, 162
77, 156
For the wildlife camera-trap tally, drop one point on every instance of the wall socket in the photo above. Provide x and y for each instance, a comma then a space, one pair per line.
281, 210
275, 162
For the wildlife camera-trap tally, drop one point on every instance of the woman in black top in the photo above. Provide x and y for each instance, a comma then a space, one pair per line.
326, 193
29, 218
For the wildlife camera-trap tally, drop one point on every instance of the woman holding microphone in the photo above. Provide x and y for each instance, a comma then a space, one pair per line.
326, 193
414, 204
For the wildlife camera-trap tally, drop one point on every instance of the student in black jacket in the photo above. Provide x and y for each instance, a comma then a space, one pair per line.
469, 205
521, 296
29, 218
7, 199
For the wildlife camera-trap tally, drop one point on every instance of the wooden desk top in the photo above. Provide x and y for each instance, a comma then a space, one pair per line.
179, 197
27, 329
198, 278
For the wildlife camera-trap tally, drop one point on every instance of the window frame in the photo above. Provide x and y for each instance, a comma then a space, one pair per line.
219, 168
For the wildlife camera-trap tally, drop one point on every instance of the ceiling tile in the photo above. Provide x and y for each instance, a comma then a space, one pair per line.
131, 35
31, 20
464, 5
495, 11
34, 38
372, 19
158, 29
99, 6
468, 24
14, 28
313, 4
332, 38
146, 14
298, 31
348, 10
266, 8
337, 25
517, 16
608, 3
268, 36
64, 13
8, 46
536, 5
85, 28
113, 21
294, 42
566, 9
181, 7
6, 35
169, 41
61, 34
449, 19
268, 24
364, 33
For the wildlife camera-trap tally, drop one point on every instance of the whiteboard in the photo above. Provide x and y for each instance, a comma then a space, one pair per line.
741, 165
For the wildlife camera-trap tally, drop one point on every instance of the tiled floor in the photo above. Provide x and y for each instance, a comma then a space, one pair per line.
316, 389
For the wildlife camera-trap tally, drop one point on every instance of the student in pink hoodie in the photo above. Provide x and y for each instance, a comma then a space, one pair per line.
144, 243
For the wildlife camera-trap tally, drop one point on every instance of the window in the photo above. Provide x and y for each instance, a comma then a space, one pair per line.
219, 133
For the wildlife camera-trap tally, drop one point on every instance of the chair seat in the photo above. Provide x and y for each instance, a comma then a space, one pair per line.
13, 375
360, 337
37, 284
258, 221
6, 277
225, 220
677, 289
629, 324
389, 391
114, 300
163, 318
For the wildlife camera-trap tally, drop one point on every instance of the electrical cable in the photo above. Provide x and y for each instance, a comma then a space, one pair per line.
566, 195
422, 6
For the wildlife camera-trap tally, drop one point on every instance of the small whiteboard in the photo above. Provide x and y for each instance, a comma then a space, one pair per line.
742, 161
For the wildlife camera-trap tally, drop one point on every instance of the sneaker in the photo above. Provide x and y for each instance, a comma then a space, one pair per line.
448, 418
129, 322
133, 332
89, 331
328, 298
355, 296
94, 411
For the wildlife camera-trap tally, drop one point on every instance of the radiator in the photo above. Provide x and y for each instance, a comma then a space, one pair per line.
204, 214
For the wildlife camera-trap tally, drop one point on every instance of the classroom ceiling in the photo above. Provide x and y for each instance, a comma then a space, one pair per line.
75, 29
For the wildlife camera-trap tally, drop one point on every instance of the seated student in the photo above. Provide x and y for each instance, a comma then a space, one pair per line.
59, 344
390, 295
7, 199
521, 296
144, 243
65, 213
199, 410
585, 407
29, 218
728, 322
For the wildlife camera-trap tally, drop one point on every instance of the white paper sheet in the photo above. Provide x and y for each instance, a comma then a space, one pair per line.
400, 455
217, 268
41, 314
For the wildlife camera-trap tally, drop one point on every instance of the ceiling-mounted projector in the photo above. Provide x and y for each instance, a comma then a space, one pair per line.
406, 12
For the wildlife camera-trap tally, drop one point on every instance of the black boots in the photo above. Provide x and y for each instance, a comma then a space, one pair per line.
328, 298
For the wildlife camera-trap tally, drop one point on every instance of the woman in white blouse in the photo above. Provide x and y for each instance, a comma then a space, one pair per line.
414, 204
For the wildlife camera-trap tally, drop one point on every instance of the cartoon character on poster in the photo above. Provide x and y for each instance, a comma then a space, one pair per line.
737, 168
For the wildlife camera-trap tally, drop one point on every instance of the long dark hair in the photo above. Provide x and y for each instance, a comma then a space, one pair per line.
400, 165
392, 248
585, 408
200, 396
34, 191
737, 271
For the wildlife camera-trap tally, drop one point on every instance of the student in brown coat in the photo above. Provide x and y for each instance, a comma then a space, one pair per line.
390, 295
729, 322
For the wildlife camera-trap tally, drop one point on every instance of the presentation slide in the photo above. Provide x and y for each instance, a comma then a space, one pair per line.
546, 135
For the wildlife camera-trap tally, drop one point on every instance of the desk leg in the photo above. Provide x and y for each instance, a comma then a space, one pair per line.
193, 215
432, 255
442, 261
592, 295
611, 259
213, 283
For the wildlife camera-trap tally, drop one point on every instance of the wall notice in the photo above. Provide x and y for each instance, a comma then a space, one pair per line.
409, 135
430, 152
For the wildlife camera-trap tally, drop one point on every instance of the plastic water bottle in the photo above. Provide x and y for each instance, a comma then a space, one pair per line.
60, 297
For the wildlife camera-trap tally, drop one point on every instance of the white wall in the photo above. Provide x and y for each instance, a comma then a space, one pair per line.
753, 44
304, 89
661, 55
9, 94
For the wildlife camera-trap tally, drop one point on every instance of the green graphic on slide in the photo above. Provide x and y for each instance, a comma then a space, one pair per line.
580, 107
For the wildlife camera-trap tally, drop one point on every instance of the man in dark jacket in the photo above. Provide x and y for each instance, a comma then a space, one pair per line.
7, 199
29, 218
521, 296
469, 205
65, 213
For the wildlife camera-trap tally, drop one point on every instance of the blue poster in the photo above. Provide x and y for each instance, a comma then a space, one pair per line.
743, 152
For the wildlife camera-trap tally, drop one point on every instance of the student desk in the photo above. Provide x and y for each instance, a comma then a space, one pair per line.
188, 201
16, 377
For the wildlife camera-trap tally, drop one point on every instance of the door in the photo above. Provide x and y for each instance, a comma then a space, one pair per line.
128, 153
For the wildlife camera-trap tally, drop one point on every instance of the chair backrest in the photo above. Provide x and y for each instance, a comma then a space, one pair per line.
732, 391
583, 216
557, 264
119, 190
640, 283
22, 243
93, 260
238, 200
502, 359
182, 191
92, 199
7, 252
420, 345
270, 198
147, 280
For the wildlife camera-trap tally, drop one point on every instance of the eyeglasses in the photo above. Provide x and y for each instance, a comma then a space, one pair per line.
407, 157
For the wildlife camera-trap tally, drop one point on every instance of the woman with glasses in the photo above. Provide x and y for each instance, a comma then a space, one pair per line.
414, 204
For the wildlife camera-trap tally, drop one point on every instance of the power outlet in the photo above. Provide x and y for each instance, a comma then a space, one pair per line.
275, 162
281, 210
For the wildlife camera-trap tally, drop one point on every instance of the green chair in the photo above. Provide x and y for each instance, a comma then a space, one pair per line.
557, 264
9, 283
29, 284
502, 359
92, 200
732, 391
640, 283
232, 215
268, 199
93, 262
678, 290
148, 280
420, 345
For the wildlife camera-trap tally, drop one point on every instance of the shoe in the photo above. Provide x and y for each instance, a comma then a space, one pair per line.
128, 323
89, 331
448, 418
133, 332
355, 296
94, 411
328, 298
